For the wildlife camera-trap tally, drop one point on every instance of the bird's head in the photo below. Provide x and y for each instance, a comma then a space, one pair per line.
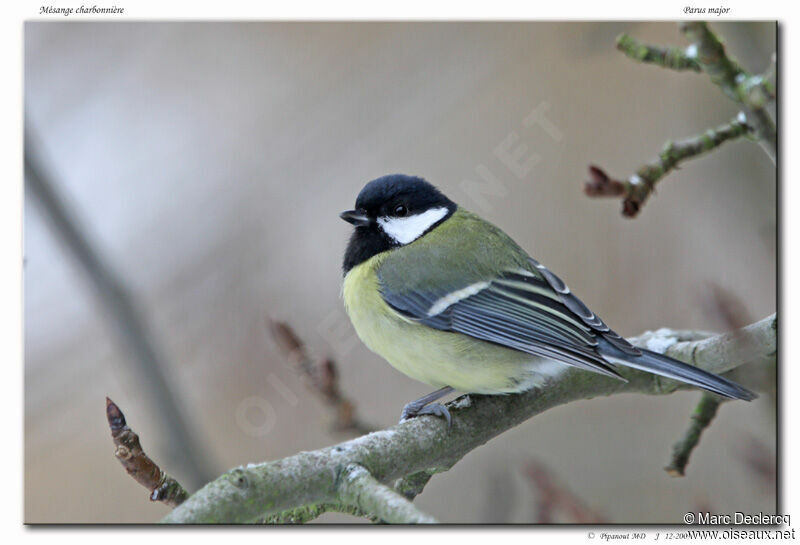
393, 211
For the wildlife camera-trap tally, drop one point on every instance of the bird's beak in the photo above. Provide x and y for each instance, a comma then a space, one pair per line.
354, 217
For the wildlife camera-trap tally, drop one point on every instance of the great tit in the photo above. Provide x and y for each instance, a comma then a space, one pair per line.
452, 301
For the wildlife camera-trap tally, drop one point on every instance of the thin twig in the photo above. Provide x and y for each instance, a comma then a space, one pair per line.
706, 53
256, 491
636, 189
759, 459
702, 417
124, 316
359, 488
752, 92
725, 307
321, 378
552, 497
673, 58
768, 76
145, 471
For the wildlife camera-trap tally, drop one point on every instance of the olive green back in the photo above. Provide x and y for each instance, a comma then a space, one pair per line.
461, 251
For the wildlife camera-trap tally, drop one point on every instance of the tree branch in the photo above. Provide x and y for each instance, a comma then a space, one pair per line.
636, 189
360, 489
705, 54
321, 378
703, 414
307, 513
144, 471
752, 92
725, 307
412, 485
673, 58
389, 507
553, 497
255, 491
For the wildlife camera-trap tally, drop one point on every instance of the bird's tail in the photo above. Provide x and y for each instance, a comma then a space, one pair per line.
665, 366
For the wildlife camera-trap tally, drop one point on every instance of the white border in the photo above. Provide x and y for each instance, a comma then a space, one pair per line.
13, 15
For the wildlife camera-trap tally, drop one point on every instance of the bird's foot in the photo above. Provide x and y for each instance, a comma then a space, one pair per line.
413, 410
425, 405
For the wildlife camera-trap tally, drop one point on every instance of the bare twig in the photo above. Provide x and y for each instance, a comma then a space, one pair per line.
705, 54
703, 414
357, 487
768, 76
673, 58
321, 378
752, 92
710, 53
730, 311
125, 317
145, 471
426, 444
552, 497
726, 307
760, 460
636, 189
601, 185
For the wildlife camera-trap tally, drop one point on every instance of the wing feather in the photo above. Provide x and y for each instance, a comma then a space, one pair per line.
519, 310
581, 310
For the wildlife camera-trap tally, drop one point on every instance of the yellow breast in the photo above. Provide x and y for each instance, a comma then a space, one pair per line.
438, 358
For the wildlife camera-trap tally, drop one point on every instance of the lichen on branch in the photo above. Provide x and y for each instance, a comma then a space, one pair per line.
702, 417
673, 58
251, 493
707, 54
753, 92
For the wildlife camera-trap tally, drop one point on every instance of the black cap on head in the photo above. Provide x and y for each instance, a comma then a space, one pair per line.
389, 199
380, 196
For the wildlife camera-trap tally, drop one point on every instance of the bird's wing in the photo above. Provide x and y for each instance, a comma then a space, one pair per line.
525, 308
577, 308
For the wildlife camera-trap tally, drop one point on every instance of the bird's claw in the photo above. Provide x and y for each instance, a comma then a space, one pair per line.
432, 409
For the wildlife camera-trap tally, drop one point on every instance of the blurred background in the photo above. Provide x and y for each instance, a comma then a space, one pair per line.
206, 164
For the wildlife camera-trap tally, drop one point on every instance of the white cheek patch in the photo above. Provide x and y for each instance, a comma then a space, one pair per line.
410, 228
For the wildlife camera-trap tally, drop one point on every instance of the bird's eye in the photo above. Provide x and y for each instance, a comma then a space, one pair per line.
400, 210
